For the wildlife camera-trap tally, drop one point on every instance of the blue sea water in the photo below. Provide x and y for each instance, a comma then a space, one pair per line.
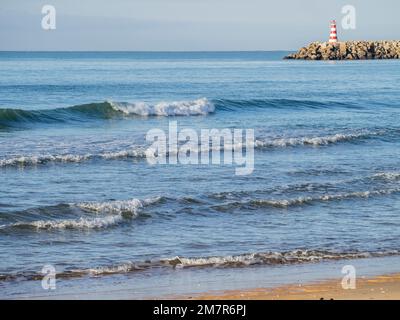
76, 191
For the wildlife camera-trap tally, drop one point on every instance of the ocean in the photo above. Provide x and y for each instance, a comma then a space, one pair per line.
77, 192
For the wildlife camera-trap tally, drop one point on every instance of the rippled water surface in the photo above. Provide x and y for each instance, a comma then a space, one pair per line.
77, 192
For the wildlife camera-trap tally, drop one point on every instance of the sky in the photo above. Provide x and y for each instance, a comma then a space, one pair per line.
189, 25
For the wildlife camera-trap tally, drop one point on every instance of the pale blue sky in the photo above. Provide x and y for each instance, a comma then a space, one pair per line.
189, 24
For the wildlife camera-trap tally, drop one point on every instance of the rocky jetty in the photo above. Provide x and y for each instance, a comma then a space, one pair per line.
349, 50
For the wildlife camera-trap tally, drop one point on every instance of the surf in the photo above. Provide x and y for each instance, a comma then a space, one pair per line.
19, 118
91, 215
269, 258
140, 151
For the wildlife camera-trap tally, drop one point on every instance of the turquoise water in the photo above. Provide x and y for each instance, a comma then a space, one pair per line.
76, 191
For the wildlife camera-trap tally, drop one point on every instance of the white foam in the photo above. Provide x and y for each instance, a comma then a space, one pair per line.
81, 223
177, 108
328, 197
241, 260
245, 259
285, 202
112, 212
291, 142
33, 160
123, 268
138, 152
313, 141
118, 207
359, 194
391, 176
141, 151
296, 256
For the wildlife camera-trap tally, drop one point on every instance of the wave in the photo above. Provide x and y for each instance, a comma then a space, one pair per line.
241, 260
375, 179
286, 203
110, 213
19, 118
16, 118
34, 160
228, 261
276, 103
140, 151
113, 213
271, 258
130, 207
181, 108
387, 176
81, 223
317, 140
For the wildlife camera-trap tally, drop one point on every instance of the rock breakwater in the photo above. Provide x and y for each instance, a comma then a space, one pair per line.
349, 50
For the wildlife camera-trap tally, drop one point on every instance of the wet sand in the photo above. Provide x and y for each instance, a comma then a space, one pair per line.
385, 287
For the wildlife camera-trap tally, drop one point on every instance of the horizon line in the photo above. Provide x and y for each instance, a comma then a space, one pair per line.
140, 51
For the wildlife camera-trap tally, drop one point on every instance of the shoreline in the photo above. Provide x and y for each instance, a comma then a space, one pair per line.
260, 282
381, 287
385, 287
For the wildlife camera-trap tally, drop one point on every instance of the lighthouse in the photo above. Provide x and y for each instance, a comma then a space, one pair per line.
333, 34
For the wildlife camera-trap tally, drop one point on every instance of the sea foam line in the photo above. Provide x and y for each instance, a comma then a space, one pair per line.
177, 108
390, 176
232, 261
113, 213
315, 141
140, 151
80, 223
302, 200
132, 207
269, 258
241, 260
33, 160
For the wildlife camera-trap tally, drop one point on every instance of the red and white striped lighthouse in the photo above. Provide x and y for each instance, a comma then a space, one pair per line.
333, 34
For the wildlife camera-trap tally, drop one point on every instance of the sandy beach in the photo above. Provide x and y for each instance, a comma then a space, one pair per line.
384, 287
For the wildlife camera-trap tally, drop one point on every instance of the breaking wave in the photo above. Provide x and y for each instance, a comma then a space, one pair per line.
130, 207
107, 214
34, 160
285, 203
317, 140
271, 258
181, 108
139, 152
389, 176
16, 118
81, 223
19, 118
229, 261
